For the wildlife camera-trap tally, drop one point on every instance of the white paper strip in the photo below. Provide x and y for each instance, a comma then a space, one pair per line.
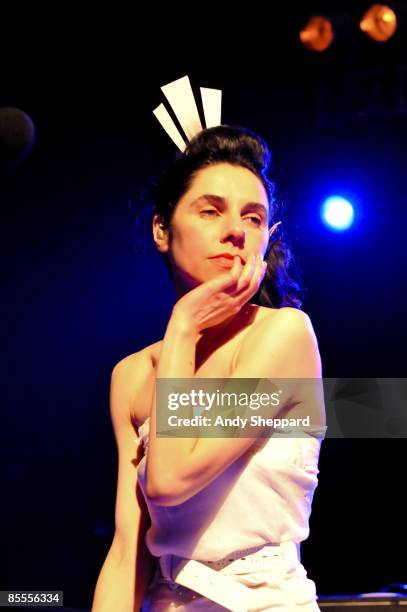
212, 105
169, 126
180, 95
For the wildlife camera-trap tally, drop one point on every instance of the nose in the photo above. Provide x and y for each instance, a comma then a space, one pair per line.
234, 231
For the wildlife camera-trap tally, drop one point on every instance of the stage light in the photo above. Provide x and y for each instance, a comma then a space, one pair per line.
318, 33
337, 213
379, 22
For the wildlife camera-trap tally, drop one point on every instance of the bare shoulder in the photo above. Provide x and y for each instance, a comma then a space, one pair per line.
285, 340
150, 352
285, 318
285, 311
284, 334
132, 382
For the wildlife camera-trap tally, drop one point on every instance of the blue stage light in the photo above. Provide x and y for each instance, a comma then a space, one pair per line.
337, 213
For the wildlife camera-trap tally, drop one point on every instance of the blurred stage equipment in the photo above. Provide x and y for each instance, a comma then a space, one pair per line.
17, 135
382, 603
318, 33
379, 22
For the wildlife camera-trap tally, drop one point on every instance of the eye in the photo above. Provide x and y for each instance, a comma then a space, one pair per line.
209, 211
256, 220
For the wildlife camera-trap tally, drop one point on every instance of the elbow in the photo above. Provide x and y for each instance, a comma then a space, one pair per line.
164, 493
160, 493
158, 496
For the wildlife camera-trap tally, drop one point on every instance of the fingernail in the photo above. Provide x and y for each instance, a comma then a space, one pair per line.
271, 230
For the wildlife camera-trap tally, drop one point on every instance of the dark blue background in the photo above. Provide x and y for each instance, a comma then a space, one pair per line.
78, 297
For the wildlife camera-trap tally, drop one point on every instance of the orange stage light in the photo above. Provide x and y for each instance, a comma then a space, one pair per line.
379, 22
317, 34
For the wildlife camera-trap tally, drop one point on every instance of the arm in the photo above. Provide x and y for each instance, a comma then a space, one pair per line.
127, 569
204, 306
281, 346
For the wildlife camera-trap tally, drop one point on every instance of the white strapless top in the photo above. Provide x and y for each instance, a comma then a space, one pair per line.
264, 497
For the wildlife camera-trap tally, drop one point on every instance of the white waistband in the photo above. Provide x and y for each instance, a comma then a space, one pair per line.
214, 579
259, 559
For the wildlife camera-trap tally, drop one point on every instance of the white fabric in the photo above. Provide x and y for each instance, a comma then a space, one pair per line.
264, 497
275, 580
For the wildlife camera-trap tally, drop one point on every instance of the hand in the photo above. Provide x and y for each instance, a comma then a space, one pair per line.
214, 301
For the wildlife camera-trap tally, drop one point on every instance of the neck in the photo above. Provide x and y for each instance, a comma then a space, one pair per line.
217, 335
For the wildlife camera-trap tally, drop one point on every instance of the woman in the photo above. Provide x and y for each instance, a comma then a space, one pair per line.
237, 506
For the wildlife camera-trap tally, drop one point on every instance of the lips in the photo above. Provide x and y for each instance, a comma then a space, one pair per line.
227, 258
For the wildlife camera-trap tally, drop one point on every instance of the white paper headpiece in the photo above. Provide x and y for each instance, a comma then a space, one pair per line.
181, 99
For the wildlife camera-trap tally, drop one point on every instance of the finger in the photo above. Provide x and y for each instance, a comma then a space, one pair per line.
261, 267
250, 272
228, 280
255, 279
255, 274
273, 228
245, 274
236, 269
234, 274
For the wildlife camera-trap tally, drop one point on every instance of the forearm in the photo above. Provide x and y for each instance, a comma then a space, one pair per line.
177, 356
122, 583
115, 589
167, 456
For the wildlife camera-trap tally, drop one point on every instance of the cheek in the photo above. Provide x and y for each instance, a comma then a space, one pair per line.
188, 238
188, 248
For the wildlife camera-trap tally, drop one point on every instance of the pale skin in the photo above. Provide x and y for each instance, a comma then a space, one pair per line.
213, 332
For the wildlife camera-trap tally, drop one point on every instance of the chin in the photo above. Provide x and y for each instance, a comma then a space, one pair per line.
191, 280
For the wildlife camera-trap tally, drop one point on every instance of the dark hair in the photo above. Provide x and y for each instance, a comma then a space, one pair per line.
240, 147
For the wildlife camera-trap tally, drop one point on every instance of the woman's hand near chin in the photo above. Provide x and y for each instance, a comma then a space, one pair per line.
221, 297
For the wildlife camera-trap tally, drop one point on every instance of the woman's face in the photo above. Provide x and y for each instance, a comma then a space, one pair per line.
225, 210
